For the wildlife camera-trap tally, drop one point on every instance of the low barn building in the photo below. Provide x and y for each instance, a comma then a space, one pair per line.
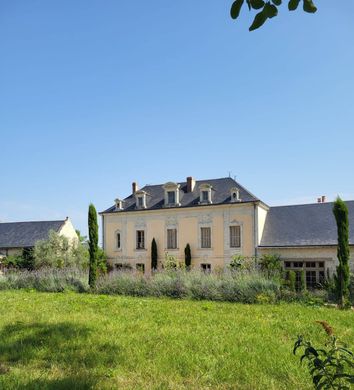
15, 236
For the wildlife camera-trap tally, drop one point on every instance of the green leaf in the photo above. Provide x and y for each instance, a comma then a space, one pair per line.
257, 4
236, 8
309, 6
276, 2
270, 10
293, 4
258, 21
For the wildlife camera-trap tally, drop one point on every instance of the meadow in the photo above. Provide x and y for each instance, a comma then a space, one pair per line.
88, 341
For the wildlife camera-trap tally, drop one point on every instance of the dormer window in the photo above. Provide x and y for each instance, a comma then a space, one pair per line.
205, 193
235, 195
140, 197
119, 204
171, 194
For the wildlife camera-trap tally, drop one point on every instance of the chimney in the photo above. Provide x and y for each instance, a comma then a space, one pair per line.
134, 187
323, 198
190, 184
319, 200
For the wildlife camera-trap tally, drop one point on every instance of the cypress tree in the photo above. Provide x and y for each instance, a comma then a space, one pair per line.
303, 286
153, 255
342, 277
93, 244
292, 280
187, 256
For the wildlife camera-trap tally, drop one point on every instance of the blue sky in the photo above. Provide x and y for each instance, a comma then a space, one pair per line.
94, 95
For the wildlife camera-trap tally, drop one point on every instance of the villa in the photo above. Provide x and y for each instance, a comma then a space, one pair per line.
219, 219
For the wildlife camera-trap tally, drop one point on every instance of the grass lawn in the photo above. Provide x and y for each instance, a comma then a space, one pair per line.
73, 341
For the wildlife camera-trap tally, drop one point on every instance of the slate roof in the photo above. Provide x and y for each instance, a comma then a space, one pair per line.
303, 225
220, 195
25, 234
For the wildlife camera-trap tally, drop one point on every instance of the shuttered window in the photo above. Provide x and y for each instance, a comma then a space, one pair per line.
171, 238
205, 237
235, 236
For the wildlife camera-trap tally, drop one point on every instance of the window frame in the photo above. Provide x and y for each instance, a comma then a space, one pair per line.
203, 244
239, 237
172, 241
140, 239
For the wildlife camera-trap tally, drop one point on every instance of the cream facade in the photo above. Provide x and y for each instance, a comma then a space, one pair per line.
219, 219
120, 234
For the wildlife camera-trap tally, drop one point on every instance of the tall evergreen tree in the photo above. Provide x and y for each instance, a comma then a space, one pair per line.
93, 244
153, 255
342, 277
187, 256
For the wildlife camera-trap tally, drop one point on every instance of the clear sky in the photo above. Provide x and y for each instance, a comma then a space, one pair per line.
96, 94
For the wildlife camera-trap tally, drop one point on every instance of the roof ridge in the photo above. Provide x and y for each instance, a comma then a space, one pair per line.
41, 221
307, 204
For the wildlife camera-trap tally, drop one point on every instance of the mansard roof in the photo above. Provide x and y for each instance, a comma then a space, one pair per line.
303, 225
155, 195
26, 234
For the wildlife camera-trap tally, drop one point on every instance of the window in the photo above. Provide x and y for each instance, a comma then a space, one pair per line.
171, 238
314, 272
171, 196
140, 201
205, 233
235, 236
140, 267
205, 196
118, 240
206, 268
119, 266
140, 239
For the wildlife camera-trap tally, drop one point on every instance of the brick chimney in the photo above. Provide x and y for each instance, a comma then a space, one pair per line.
323, 198
190, 184
134, 187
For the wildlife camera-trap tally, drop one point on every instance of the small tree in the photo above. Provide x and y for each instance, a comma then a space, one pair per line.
154, 255
93, 244
303, 286
187, 256
292, 280
342, 277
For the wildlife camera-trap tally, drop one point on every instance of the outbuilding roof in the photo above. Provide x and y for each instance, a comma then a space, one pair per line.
303, 225
155, 195
25, 234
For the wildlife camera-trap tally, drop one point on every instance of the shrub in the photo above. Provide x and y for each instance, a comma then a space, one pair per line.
46, 280
302, 286
187, 256
331, 366
154, 255
177, 283
292, 280
271, 264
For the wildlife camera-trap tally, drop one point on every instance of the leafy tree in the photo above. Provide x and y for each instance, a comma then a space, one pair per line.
58, 252
342, 277
154, 255
187, 256
268, 9
93, 244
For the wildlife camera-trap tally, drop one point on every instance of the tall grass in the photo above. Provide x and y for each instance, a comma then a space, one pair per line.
246, 287
46, 280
